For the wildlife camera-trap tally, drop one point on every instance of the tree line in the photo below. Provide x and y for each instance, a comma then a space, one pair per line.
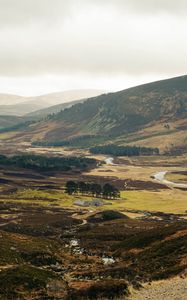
44, 163
115, 150
93, 189
79, 141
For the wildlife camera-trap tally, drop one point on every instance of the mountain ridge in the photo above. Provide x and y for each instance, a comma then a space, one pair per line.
54, 109
138, 115
26, 105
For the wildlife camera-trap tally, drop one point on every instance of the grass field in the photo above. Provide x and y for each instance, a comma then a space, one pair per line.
7, 135
166, 201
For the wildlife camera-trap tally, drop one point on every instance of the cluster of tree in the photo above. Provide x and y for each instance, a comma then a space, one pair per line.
115, 150
51, 143
43, 163
94, 189
79, 141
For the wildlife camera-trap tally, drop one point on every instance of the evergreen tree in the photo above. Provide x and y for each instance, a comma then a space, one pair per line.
71, 187
109, 191
83, 187
96, 189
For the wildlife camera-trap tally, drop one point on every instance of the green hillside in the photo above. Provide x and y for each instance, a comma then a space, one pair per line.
141, 115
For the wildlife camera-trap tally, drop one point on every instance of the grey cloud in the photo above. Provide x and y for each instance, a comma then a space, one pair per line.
21, 12
15, 12
149, 6
42, 44
113, 54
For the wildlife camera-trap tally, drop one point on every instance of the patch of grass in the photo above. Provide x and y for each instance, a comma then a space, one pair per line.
164, 201
176, 177
43, 197
7, 135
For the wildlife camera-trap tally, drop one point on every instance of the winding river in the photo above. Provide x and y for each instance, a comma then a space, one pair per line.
160, 176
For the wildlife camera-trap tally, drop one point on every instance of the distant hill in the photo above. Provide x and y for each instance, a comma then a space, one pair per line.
23, 108
17, 105
8, 99
153, 115
41, 113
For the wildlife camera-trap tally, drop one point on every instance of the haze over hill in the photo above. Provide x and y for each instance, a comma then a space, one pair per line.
141, 115
9, 99
18, 105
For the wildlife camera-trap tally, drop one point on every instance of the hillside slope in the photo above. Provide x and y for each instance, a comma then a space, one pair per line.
6, 121
137, 115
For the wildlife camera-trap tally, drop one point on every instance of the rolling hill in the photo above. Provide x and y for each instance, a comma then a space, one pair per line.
153, 114
9, 99
41, 113
19, 106
20, 109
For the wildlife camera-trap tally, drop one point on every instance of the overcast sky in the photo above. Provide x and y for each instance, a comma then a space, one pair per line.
55, 45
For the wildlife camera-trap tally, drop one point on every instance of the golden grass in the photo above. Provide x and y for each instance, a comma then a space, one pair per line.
167, 201
45, 198
7, 135
41, 197
158, 136
168, 141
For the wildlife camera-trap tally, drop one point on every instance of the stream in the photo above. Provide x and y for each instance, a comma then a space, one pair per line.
109, 161
160, 176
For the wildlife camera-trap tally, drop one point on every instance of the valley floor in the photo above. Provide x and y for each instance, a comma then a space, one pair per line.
53, 249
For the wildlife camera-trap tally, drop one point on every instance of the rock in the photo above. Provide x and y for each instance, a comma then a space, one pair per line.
13, 248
